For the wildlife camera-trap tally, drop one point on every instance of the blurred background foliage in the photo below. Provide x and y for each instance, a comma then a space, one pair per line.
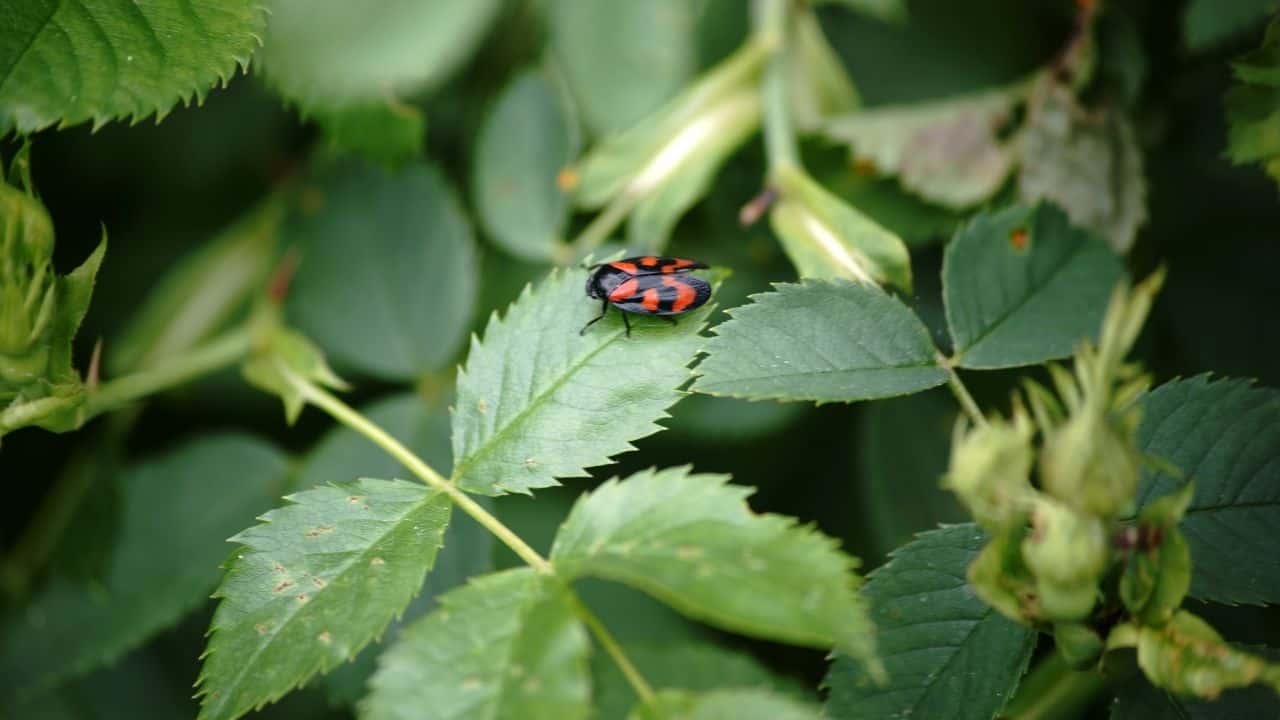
398, 268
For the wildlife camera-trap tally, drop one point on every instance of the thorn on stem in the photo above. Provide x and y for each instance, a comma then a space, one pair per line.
755, 208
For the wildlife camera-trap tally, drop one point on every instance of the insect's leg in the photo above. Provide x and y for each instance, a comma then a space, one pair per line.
604, 310
626, 322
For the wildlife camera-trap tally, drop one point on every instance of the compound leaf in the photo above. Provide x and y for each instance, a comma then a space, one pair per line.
506, 645
313, 584
176, 512
692, 542
539, 401
828, 341
1224, 435
72, 61
947, 653
1023, 285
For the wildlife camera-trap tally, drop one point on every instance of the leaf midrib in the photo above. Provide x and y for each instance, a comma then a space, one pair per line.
295, 608
961, 352
465, 463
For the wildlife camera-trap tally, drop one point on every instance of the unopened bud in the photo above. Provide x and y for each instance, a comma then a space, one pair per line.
990, 471
1067, 553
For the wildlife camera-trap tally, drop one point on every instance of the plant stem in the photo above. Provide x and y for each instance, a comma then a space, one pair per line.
611, 646
961, 392
217, 354
604, 223
348, 416
1053, 691
780, 144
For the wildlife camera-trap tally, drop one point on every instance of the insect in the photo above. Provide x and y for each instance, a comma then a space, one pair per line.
647, 285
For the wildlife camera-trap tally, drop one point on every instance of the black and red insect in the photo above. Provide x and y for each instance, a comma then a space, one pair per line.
647, 285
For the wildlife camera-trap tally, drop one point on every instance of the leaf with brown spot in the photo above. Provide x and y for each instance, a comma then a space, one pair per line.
377, 539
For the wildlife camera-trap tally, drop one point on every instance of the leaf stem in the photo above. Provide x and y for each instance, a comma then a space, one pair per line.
641, 686
961, 392
221, 352
780, 144
604, 223
350, 417
1053, 691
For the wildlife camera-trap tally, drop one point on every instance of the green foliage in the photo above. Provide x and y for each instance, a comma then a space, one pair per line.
506, 645
696, 666
691, 541
822, 341
66, 63
1140, 700
622, 59
1253, 106
1223, 435
732, 704
1023, 286
528, 137
334, 55
314, 583
1206, 23
41, 312
946, 652
383, 131
353, 296
175, 512
537, 400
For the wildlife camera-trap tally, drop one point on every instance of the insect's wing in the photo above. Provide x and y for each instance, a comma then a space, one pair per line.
656, 265
669, 294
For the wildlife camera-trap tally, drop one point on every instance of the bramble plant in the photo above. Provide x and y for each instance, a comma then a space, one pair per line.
1079, 525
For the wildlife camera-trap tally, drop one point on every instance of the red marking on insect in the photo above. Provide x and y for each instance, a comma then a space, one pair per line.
647, 285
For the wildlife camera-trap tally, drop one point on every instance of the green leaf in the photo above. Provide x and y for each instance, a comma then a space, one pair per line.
528, 137
1208, 22
890, 10
1138, 699
1023, 285
1188, 657
388, 275
823, 341
72, 62
280, 354
947, 151
819, 84
319, 579
902, 447
176, 511
539, 400
692, 542
684, 664
1087, 161
1224, 436
333, 55
383, 131
730, 704
825, 237
507, 645
1253, 106
947, 653
623, 59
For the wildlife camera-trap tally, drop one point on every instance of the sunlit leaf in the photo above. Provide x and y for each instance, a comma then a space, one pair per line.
821, 341
507, 645
314, 583
101, 60
539, 400
692, 542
